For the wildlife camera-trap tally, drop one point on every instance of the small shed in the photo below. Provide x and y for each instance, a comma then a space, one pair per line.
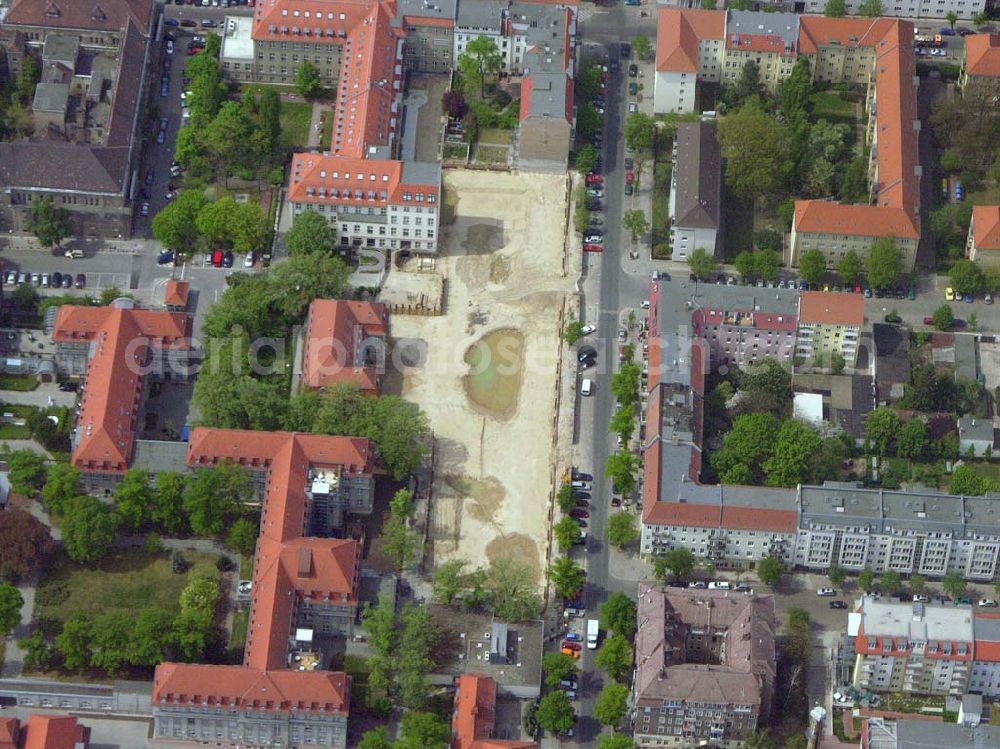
498, 643
975, 435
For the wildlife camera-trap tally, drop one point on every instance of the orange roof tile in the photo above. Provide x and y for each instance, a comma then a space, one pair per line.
338, 180
830, 308
685, 514
10, 728
986, 227
987, 651
826, 217
176, 294
250, 688
895, 210
678, 33
335, 332
761, 43
982, 55
119, 340
474, 717
54, 732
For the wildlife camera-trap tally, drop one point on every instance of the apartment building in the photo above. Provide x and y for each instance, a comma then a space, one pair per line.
704, 666
924, 9
885, 733
696, 191
811, 527
983, 244
702, 45
304, 589
980, 75
345, 341
474, 717
829, 324
913, 648
118, 349
83, 150
430, 34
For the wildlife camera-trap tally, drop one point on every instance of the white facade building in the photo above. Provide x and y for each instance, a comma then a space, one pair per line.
964, 9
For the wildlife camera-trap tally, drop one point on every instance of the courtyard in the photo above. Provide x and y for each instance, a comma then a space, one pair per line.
485, 371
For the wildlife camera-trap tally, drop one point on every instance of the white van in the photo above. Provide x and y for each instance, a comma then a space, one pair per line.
587, 387
75, 254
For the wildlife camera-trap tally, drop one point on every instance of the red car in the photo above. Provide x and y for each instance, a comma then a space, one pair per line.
592, 247
580, 514
595, 179
217, 258
928, 321
629, 176
575, 646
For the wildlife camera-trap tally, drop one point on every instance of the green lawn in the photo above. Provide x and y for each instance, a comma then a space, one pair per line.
14, 431
241, 619
259, 88
126, 581
295, 120
495, 136
22, 383
246, 568
326, 135
830, 106
989, 470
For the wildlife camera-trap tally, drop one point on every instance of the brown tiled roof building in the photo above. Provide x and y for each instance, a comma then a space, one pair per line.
705, 665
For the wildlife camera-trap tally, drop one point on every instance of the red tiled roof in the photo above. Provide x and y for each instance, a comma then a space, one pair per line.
678, 33
9, 730
473, 717
819, 31
338, 180
335, 330
288, 566
986, 227
176, 294
445, 23
987, 651
760, 43
982, 55
686, 514
895, 210
54, 732
831, 308
119, 340
250, 688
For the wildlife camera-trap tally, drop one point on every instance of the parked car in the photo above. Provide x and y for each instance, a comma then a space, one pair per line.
920, 598
248, 260
44, 281
572, 637
165, 258
576, 514
57, 278
144, 208
572, 645
593, 236
987, 298
949, 294
928, 320
570, 652
699, 584
69, 387
633, 70
187, 23
581, 476
81, 281
987, 603
11, 277
628, 188
826, 592
170, 22
838, 604
209, 24
67, 281
170, 47
593, 247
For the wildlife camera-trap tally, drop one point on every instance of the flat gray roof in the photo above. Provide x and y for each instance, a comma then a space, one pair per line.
421, 173
923, 734
757, 23
480, 14
548, 93
51, 97
427, 8
965, 357
918, 622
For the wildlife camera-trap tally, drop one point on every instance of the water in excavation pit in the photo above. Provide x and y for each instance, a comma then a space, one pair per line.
496, 363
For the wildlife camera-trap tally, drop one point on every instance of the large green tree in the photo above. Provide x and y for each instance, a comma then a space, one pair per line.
175, 226
25, 544
966, 277
770, 569
555, 713
850, 267
11, 602
754, 146
307, 80
26, 471
611, 704
622, 530
168, 511
310, 233
49, 223
812, 265
566, 532
615, 657
88, 529
679, 562
702, 263
567, 576
511, 590
640, 132
881, 428
617, 614
134, 498
622, 468
884, 262
211, 493
418, 730
558, 667
73, 642
792, 459
749, 443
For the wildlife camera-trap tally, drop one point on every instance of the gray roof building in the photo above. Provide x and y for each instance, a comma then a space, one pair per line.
480, 15
699, 176
757, 23
892, 361
921, 734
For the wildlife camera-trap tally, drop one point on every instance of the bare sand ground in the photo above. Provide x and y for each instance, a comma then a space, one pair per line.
503, 261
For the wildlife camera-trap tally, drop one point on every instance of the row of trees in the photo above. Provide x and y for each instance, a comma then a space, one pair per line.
116, 640
192, 222
402, 646
223, 137
883, 266
417, 730
507, 588
203, 503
